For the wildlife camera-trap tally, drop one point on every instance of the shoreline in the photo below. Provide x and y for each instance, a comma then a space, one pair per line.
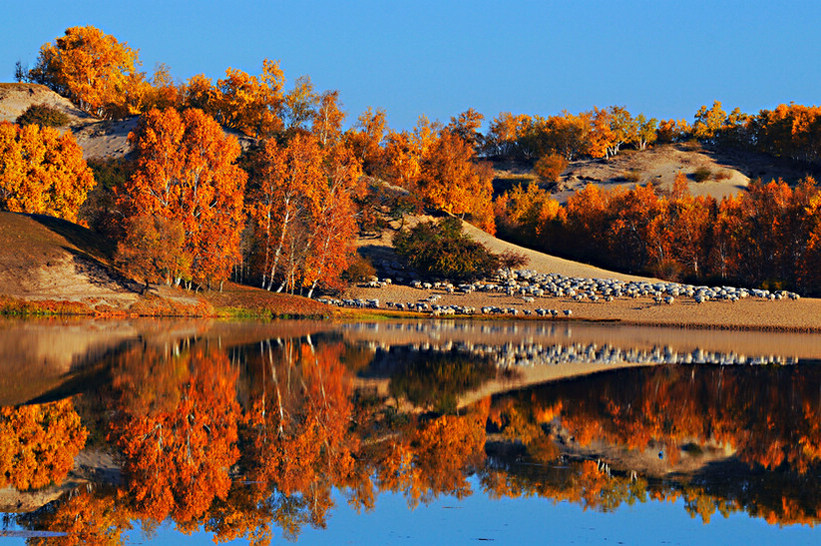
803, 316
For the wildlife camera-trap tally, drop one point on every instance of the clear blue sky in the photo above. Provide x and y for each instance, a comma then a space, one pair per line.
438, 58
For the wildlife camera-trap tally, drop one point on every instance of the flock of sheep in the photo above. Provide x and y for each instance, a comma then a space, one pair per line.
530, 285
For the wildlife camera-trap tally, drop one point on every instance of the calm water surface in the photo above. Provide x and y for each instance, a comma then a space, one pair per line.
406, 433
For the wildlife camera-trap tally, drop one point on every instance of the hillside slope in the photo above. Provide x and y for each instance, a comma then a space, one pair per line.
44, 258
725, 172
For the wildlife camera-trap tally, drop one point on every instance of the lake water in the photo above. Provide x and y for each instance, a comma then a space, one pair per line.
428, 432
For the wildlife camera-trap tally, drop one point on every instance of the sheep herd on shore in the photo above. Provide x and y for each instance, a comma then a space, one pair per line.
530, 286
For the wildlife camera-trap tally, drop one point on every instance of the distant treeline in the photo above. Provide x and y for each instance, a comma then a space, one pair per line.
790, 131
768, 236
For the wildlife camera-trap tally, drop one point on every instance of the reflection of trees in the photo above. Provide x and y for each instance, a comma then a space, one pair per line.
38, 443
423, 458
177, 439
86, 516
434, 380
297, 434
769, 415
192, 453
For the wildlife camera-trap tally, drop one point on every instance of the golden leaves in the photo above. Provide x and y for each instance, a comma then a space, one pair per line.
42, 172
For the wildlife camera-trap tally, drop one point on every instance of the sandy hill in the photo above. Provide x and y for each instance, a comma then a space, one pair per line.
99, 139
15, 98
727, 172
45, 258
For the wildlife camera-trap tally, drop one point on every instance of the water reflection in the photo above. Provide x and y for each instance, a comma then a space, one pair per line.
248, 432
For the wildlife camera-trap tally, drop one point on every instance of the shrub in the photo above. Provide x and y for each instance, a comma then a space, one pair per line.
42, 115
632, 176
360, 269
550, 167
723, 175
442, 250
512, 260
701, 174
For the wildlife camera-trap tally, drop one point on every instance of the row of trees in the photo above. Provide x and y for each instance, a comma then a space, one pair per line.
768, 235
599, 133
791, 131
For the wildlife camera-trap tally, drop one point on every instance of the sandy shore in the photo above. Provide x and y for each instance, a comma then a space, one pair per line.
786, 315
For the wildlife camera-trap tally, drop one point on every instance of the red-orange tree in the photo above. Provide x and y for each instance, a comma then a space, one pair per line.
251, 104
186, 172
42, 172
303, 213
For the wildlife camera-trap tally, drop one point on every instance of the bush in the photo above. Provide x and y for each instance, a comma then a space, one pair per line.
42, 115
701, 174
632, 176
723, 175
442, 250
359, 270
550, 167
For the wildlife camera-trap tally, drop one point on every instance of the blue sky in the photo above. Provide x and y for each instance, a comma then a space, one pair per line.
438, 58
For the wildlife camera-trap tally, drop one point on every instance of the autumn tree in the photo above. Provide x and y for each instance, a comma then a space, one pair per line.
153, 249
624, 128
466, 126
89, 67
160, 91
550, 167
601, 133
327, 120
250, 104
646, 133
42, 171
502, 139
526, 214
708, 122
688, 231
186, 172
303, 214
365, 139
453, 182
566, 135
332, 244
671, 130
300, 103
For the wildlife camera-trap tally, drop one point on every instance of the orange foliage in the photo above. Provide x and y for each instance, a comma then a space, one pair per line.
91, 68
550, 167
86, 517
178, 443
365, 139
303, 213
38, 444
186, 173
251, 104
43, 172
